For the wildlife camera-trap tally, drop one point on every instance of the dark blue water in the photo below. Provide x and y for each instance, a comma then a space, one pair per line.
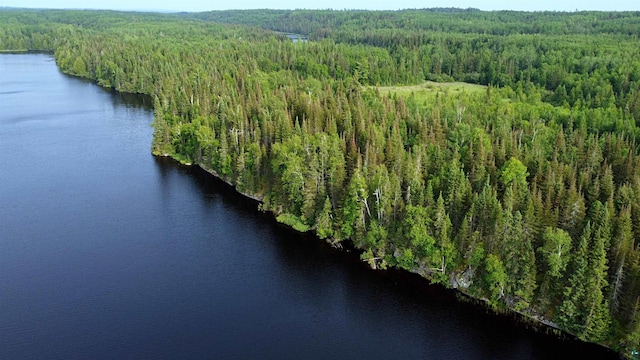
109, 253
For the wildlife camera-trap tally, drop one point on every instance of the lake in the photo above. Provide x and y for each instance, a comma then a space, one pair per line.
109, 253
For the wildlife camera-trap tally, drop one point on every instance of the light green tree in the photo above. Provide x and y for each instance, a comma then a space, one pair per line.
495, 278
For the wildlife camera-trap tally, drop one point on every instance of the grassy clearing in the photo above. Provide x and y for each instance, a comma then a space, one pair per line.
429, 89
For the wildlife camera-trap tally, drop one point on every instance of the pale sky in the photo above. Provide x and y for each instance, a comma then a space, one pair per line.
203, 5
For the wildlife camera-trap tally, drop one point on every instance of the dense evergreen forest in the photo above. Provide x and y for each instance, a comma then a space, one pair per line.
524, 192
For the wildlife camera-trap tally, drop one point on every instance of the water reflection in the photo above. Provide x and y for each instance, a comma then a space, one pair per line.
341, 296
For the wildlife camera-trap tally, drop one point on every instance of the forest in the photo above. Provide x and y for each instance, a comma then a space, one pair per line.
491, 152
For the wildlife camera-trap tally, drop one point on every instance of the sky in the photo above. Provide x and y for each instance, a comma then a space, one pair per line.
205, 5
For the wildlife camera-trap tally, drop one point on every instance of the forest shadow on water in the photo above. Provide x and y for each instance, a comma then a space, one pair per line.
444, 318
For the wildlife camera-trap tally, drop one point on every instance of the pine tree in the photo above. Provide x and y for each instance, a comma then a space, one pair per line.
598, 318
519, 260
570, 313
554, 255
495, 279
355, 206
442, 233
324, 221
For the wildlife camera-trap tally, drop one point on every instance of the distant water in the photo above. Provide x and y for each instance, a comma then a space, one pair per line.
109, 253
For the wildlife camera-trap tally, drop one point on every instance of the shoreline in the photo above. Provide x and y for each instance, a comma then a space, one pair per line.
539, 325
26, 51
532, 322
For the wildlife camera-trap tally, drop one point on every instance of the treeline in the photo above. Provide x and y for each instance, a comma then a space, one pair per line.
315, 23
578, 56
526, 194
